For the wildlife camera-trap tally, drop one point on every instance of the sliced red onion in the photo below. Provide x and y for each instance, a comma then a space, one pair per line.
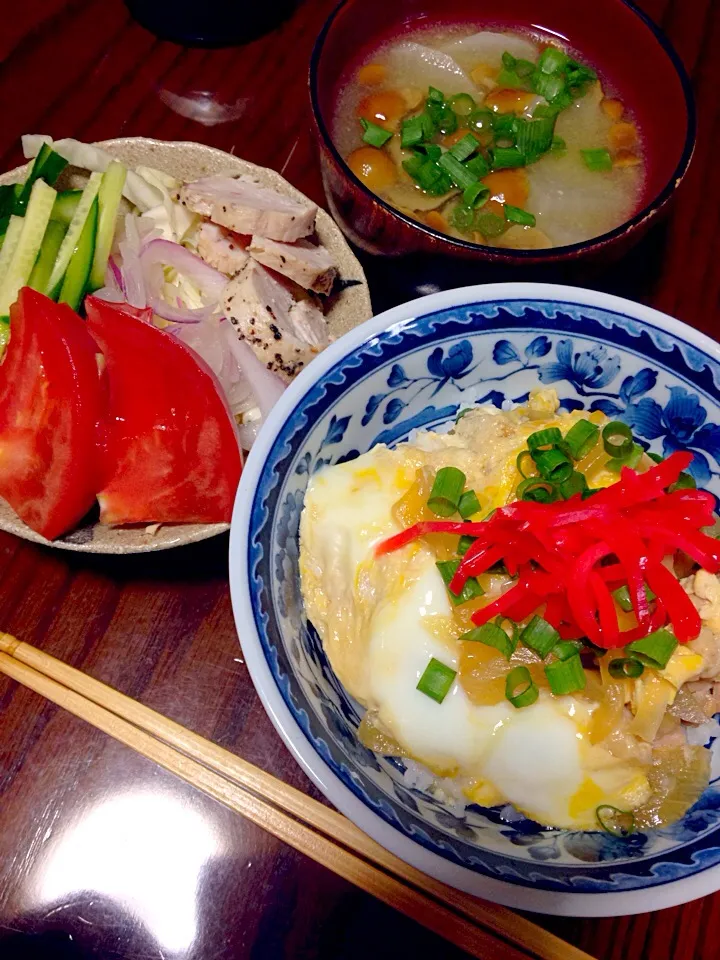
110, 294
113, 276
159, 253
266, 386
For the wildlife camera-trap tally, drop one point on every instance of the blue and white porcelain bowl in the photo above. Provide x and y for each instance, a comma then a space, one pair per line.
416, 366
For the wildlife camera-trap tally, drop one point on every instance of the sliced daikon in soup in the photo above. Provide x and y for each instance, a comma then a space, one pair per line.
414, 64
571, 202
487, 47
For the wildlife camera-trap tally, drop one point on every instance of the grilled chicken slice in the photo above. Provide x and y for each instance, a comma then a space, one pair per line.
284, 333
306, 263
244, 206
223, 250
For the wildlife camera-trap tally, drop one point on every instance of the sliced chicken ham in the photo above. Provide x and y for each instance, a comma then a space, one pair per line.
307, 264
221, 249
284, 334
244, 206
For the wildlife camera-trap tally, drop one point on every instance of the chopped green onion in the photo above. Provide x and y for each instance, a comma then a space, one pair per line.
518, 215
540, 636
552, 60
526, 465
428, 174
554, 465
459, 174
558, 146
436, 95
490, 225
581, 438
684, 482
481, 121
622, 597
471, 588
412, 132
436, 680
544, 439
504, 125
524, 68
508, 60
575, 483
478, 165
615, 464
597, 160
476, 195
654, 650
446, 491
566, 676
464, 148
520, 688
537, 490
625, 668
463, 104
617, 439
464, 544
565, 649
468, 505
550, 86
511, 79
375, 135
442, 115
620, 823
533, 137
493, 635
504, 158
462, 217
431, 150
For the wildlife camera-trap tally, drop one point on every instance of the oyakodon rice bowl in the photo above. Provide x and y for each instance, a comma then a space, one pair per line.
623, 767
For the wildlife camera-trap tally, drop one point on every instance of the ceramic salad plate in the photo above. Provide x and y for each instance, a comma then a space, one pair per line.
189, 161
416, 366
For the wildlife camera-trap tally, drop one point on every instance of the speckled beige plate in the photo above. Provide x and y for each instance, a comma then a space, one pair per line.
351, 307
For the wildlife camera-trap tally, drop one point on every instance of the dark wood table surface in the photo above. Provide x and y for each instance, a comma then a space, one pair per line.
102, 854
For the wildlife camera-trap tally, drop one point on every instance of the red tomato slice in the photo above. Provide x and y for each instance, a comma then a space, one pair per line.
51, 401
172, 449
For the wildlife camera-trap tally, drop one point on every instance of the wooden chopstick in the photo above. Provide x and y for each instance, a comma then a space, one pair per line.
268, 801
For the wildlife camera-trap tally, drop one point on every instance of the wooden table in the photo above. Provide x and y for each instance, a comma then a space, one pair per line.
101, 853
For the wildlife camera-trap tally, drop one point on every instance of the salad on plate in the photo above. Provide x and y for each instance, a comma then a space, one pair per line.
201, 300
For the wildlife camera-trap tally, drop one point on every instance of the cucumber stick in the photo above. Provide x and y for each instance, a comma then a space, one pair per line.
34, 223
14, 229
65, 206
72, 237
48, 252
109, 196
78, 271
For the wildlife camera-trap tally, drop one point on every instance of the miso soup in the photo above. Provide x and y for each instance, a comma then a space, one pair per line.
496, 138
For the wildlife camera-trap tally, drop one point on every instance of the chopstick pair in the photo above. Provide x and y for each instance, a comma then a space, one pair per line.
326, 836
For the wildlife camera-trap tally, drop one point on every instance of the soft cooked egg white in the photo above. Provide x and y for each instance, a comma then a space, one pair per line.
373, 619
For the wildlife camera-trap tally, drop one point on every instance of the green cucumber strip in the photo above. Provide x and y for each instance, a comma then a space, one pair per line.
78, 271
47, 166
72, 237
12, 236
65, 206
109, 196
25, 254
48, 252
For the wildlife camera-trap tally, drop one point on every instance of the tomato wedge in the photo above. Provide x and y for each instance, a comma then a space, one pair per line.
172, 451
51, 401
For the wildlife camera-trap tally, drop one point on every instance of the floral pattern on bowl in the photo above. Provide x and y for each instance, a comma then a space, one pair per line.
419, 374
